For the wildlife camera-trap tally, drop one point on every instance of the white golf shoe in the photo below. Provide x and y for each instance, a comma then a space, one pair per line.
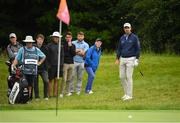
127, 98
123, 97
90, 92
61, 95
69, 94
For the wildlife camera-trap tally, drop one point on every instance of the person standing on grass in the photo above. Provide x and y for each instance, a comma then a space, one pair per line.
42, 69
81, 48
52, 59
30, 57
12, 48
68, 67
128, 53
91, 63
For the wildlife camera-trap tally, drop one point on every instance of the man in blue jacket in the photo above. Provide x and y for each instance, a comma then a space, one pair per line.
91, 63
127, 56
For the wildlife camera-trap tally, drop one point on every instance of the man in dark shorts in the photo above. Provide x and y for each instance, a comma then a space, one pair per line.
52, 59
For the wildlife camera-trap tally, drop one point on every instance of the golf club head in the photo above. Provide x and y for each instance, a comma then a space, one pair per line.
8, 63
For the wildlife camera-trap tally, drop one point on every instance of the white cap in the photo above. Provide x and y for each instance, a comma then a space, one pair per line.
56, 34
127, 25
29, 39
12, 35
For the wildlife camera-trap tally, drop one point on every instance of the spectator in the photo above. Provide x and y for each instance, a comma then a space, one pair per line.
68, 67
81, 48
52, 59
91, 63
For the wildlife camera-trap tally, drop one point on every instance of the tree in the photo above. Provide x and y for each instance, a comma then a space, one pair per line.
157, 23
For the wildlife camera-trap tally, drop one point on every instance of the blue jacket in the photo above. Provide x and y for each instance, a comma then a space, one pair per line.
128, 46
92, 57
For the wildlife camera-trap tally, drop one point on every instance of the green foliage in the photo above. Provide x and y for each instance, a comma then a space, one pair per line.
156, 22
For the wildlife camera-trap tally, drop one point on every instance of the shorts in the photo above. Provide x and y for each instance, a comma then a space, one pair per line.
52, 72
30, 79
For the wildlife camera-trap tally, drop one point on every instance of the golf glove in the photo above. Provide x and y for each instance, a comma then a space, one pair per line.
136, 62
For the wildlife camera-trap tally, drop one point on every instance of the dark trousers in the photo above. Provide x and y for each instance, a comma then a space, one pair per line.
44, 76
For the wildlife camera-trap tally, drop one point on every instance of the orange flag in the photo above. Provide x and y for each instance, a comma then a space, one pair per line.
63, 12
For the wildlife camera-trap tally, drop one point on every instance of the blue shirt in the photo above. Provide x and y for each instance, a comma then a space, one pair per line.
92, 57
128, 46
80, 45
20, 54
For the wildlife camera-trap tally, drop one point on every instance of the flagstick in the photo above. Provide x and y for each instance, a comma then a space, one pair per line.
58, 68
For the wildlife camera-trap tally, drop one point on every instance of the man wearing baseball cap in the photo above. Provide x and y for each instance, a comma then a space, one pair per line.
91, 63
128, 53
30, 57
13, 47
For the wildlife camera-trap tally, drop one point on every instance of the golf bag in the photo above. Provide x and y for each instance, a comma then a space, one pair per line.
17, 87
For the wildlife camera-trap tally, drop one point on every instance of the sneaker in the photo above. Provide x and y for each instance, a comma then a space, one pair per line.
46, 98
78, 93
37, 99
69, 94
28, 102
61, 95
123, 97
87, 91
127, 98
90, 92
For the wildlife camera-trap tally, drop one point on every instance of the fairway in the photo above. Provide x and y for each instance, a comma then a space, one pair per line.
158, 89
88, 116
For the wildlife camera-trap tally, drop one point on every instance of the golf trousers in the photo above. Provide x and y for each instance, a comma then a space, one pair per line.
78, 71
67, 76
44, 76
126, 72
91, 75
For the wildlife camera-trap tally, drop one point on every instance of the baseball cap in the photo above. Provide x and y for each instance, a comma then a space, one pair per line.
12, 35
98, 39
127, 25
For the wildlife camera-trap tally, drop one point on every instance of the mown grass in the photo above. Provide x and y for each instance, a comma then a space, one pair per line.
91, 116
158, 89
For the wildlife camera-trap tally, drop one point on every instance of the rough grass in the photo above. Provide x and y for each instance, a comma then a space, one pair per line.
158, 89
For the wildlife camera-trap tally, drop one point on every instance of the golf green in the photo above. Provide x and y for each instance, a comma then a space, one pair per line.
85, 116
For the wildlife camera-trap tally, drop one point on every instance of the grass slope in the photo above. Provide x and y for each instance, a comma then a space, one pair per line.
158, 89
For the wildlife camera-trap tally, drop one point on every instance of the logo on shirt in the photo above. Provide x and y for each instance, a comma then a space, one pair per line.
130, 41
122, 41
